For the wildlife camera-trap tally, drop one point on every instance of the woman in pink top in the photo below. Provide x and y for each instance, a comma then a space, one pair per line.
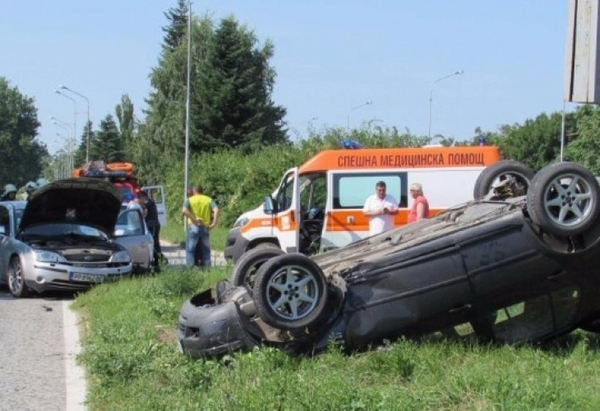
420, 206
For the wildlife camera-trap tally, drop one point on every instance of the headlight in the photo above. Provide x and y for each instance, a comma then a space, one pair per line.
121, 257
48, 256
240, 222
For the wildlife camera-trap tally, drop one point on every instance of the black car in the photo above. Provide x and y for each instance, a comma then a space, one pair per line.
519, 265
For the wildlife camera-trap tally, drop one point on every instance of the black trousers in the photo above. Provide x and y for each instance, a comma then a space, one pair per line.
155, 231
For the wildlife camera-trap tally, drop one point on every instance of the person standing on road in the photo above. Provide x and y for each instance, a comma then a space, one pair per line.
420, 205
202, 213
153, 224
381, 209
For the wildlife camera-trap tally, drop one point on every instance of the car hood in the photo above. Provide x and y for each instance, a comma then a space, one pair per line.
86, 201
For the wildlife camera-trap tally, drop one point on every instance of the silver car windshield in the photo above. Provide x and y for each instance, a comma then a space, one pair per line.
63, 229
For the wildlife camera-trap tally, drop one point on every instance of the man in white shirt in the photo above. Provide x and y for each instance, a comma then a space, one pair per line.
381, 209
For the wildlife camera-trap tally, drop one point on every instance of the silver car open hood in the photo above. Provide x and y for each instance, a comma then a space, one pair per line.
88, 201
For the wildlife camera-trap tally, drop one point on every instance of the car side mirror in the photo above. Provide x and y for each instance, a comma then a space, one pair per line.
270, 206
119, 232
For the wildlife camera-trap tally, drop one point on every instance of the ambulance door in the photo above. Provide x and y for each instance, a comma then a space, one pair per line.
286, 225
157, 193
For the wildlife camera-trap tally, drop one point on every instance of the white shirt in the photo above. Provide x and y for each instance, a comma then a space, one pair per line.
380, 223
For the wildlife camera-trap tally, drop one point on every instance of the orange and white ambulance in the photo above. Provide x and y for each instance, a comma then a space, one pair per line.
318, 206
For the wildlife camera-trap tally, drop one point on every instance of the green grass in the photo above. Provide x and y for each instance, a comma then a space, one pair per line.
130, 354
174, 233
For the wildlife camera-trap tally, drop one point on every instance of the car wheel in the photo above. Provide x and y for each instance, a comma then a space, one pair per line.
244, 270
290, 292
16, 279
500, 172
563, 199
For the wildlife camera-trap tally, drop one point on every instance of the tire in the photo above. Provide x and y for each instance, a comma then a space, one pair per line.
244, 270
16, 280
501, 171
301, 309
563, 199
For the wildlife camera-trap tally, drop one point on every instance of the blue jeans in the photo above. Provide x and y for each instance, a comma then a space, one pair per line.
197, 242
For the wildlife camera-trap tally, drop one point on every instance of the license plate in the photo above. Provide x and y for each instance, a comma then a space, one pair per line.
89, 278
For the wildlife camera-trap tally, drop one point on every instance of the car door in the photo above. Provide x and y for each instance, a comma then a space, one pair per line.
423, 289
131, 232
157, 194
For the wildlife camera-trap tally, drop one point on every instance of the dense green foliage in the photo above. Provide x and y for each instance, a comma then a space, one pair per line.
132, 361
585, 146
22, 155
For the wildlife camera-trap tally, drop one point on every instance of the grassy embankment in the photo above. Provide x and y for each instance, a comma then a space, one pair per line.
132, 362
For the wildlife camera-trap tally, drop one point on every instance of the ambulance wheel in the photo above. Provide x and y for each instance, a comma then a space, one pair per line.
500, 172
290, 292
244, 270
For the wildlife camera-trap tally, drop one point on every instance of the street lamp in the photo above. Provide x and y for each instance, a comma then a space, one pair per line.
74, 111
87, 145
187, 109
67, 128
357, 107
69, 150
456, 73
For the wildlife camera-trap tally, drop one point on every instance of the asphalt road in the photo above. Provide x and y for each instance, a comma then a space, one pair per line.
39, 341
33, 354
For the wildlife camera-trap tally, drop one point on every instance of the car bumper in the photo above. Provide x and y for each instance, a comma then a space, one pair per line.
55, 276
235, 245
207, 330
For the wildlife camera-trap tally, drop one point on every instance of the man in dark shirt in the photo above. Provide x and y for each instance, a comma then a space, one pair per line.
153, 224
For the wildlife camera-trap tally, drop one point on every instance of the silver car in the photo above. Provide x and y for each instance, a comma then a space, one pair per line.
63, 238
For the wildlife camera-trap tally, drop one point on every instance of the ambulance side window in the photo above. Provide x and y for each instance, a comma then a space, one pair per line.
351, 190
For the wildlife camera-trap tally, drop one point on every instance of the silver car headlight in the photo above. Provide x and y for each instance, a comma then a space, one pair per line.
121, 257
44, 256
240, 222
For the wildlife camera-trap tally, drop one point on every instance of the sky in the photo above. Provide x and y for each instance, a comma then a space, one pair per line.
387, 63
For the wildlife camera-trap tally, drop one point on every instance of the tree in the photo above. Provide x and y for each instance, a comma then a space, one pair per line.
535, 143
22, 155
585, 146
233, 105
107, 144
82, 149
126, 117
176, 30
230, 105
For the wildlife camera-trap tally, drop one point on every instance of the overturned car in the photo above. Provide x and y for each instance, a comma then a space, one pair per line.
518, 265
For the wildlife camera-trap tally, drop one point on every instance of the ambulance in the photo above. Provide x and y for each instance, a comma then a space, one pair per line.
318, 205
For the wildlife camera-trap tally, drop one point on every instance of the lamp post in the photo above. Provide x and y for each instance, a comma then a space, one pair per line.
67, 127
354, 108
74, 111
456, 73
187, 109
87, 144
69, 150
